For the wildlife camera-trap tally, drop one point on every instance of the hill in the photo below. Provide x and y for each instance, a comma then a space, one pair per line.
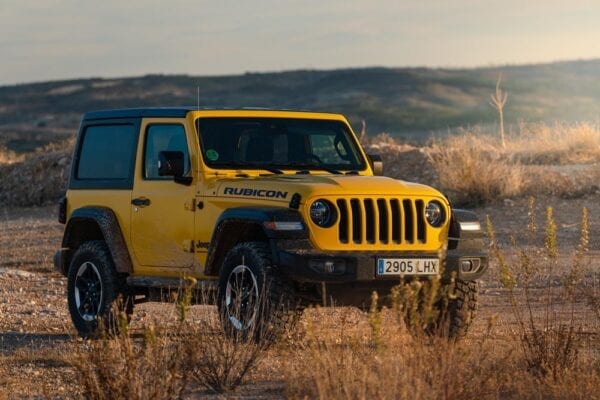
410, 102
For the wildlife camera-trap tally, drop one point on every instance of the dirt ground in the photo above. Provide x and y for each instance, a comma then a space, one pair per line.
35, 327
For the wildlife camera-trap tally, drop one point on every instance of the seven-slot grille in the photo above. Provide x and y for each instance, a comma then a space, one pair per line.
381, 221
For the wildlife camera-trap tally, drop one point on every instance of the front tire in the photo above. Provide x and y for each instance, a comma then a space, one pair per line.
462, 307
254, 300
93, 286
452, 313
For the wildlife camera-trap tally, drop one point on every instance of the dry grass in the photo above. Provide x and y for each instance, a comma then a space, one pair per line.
37, 178
472, 171
389, 363
9, 157
473, 166
166, 360
550, 344
217, 359
557, 144
537, 350
123, 368
546, 353
346, 365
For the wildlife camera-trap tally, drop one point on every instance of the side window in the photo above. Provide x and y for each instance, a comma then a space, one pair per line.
164, 137
106, 153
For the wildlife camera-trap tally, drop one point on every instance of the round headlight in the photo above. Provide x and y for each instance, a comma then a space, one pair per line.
435, 214
322, 213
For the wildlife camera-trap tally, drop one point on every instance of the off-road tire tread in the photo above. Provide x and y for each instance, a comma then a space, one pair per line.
462, 308
284, 309
112, 287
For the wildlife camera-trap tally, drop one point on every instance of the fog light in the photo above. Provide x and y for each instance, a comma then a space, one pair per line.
466, 266
470, 264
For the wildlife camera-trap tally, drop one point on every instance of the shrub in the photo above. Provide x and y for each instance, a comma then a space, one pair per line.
550, 345
219, 360
122, 367
471, 171
389, 364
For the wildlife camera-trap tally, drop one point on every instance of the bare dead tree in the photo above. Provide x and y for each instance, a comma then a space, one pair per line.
363, 131
498, 100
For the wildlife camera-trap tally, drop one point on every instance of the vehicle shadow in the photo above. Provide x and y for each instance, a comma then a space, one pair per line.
12, 341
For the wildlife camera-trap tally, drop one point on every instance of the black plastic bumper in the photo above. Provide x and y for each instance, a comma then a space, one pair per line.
361, 266
60, 261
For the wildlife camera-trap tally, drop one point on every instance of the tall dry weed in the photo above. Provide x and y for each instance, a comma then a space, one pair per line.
538, 277
347, 365
220, 360
124, 367
165, 361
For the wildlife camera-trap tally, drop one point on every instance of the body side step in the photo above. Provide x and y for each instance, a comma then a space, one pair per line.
171, 283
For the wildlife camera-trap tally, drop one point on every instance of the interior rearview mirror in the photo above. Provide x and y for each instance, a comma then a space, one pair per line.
376, 164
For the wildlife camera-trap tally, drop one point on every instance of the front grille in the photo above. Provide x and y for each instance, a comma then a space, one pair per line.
381, 221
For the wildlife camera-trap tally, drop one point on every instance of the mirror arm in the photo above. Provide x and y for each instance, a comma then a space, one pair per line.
183, 180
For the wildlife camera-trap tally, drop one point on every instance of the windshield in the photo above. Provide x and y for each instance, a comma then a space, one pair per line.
281, 143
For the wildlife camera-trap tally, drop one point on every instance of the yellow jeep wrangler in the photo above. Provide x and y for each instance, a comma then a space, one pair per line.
283, 206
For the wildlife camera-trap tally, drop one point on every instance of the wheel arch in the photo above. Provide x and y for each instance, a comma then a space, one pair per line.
96, 223
227, 234
246, 224
460, 238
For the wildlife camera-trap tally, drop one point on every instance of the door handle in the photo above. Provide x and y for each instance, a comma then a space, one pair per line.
141, 202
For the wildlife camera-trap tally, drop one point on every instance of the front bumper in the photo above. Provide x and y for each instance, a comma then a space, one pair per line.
60, 261
310, 266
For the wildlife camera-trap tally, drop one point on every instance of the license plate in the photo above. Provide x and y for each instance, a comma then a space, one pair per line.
408, 266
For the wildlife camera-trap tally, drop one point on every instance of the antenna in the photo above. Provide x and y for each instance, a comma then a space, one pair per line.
198, 97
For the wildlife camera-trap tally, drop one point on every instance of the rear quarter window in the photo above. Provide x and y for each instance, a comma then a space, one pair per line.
106, 156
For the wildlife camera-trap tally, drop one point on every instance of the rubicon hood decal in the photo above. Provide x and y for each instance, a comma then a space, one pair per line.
247, 192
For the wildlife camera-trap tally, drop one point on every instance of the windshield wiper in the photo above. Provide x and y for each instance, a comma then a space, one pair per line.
305, 168
259, 166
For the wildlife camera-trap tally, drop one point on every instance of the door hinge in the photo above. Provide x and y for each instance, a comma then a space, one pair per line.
188, 246
190, 205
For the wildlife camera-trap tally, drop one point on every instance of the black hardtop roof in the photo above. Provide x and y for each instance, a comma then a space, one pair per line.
164, 112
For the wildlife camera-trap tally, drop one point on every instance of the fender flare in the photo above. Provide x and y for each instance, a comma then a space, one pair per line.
458, 237
79, 229
253, 218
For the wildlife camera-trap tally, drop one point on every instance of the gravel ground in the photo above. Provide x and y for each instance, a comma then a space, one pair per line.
36, 331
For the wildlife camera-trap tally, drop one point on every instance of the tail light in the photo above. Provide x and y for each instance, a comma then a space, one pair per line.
62, 210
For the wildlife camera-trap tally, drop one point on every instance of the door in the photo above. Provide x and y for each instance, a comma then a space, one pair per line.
162, 216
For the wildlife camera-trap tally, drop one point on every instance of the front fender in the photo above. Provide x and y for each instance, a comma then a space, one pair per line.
240, 224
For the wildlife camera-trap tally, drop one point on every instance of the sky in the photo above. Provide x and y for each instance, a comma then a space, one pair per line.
65, 39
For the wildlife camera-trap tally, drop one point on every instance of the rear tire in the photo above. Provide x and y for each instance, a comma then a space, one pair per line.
93, 286
253, 299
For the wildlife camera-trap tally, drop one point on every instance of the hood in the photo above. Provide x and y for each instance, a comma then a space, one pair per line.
283, 187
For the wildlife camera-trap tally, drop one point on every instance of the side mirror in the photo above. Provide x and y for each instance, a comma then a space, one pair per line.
170, 163
376, 164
